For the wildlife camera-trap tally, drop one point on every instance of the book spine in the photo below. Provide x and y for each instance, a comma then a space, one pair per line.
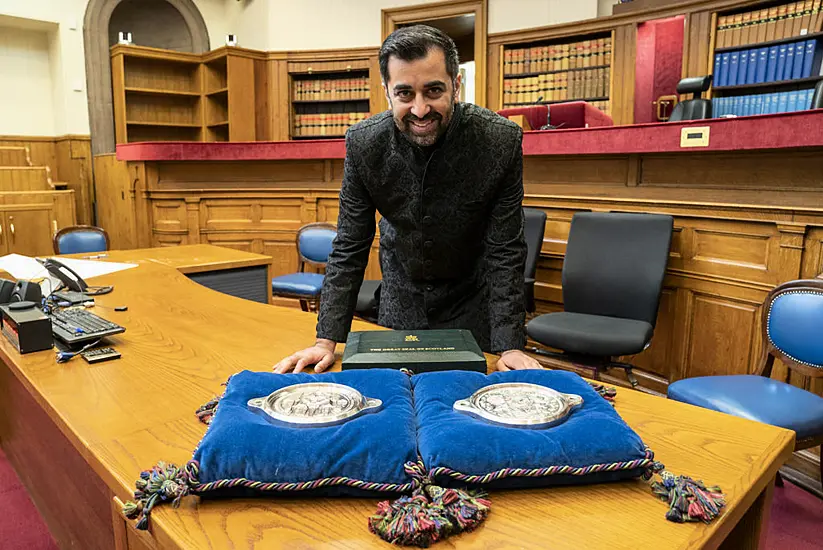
751, 74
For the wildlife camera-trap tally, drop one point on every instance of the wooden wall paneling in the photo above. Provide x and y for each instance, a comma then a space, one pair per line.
14, 155
623, 49
143, 178
118, 84
795, 171
74, 168
257, 175
377, 97
25, 178
720, 336
41, 149
494, 77
241, 84
281, 116
263, 100
541, 173
115, 201
700, 33
812, 257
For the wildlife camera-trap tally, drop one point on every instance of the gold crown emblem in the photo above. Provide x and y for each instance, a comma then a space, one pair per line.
412, 338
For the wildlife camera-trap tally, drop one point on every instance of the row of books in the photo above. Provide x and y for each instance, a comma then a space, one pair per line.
557, 57
603, 105
326, 124
762, 104
774, 23
557, 86
324, 90
790, 61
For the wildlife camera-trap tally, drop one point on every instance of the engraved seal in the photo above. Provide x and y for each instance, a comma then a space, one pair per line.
519, 405
314, 404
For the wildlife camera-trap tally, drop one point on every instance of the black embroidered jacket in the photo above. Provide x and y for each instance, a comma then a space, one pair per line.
452, 250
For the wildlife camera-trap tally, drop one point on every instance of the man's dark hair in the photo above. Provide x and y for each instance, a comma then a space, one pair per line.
412, 43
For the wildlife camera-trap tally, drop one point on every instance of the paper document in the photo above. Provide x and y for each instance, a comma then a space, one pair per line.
93, 268
26, 268
22, 267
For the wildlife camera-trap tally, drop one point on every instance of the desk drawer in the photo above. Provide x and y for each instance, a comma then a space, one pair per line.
249, 283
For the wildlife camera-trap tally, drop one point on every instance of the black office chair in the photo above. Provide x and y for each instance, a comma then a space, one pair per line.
534, 228
368, 299
697, 107
817, 98
612, 279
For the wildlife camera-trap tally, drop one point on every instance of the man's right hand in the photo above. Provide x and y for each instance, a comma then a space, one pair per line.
321, 355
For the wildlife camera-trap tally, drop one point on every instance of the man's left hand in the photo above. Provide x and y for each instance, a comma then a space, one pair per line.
514, 359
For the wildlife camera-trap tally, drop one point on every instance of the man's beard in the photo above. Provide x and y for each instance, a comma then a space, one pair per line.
439, 126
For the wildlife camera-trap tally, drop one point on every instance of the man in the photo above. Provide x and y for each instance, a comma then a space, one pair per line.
447, 180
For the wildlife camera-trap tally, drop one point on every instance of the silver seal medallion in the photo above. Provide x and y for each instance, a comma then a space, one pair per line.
314, 404
519, 405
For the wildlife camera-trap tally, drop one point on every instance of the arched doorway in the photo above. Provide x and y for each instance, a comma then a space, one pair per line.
170, 24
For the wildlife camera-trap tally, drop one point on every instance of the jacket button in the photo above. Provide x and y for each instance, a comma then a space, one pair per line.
428, 263
428, 244
429, 287
431, 311
428, 193
427, 219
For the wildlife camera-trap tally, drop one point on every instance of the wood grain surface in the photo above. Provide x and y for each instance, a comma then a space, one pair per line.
184, 340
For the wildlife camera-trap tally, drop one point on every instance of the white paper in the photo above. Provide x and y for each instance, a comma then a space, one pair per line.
93, 268
22, 267
26, 268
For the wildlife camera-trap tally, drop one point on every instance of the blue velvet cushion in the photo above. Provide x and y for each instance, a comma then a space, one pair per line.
756, 398
795, 326
370, 448
593, 435
304, 284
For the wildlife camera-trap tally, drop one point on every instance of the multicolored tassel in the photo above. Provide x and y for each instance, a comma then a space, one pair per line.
410, 521
465, 509
607, 393
206, 412
162, 483
689, 500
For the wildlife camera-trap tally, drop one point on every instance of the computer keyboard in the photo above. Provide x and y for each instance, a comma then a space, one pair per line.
78, 326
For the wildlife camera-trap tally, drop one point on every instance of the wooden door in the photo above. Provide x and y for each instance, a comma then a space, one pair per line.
29, 229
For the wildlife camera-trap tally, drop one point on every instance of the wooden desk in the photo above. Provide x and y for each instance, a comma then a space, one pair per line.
233, 272
79, 435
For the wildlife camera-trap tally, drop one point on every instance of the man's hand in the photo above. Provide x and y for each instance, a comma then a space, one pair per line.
321, 355
514, 359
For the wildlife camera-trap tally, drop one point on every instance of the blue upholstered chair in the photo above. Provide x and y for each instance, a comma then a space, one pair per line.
792, 332
79, 239
314, 243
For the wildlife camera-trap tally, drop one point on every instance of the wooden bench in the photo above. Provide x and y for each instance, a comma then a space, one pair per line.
28, 178
14, 156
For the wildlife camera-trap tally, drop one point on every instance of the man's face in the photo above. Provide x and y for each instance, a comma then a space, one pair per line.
421, 96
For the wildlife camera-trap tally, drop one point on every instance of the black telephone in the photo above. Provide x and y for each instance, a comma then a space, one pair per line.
66, 275
71, 280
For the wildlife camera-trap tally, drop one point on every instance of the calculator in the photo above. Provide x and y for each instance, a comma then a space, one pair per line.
99, 355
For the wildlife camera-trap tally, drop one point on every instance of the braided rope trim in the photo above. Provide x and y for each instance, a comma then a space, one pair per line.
647, 463
769, 332
194, 469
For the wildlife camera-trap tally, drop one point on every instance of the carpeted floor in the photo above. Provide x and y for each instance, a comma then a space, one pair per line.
796, 522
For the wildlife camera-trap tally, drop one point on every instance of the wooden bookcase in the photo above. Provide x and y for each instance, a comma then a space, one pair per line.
157, 95
558, 70
758, 55
328, 95
229, 94
161, 95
